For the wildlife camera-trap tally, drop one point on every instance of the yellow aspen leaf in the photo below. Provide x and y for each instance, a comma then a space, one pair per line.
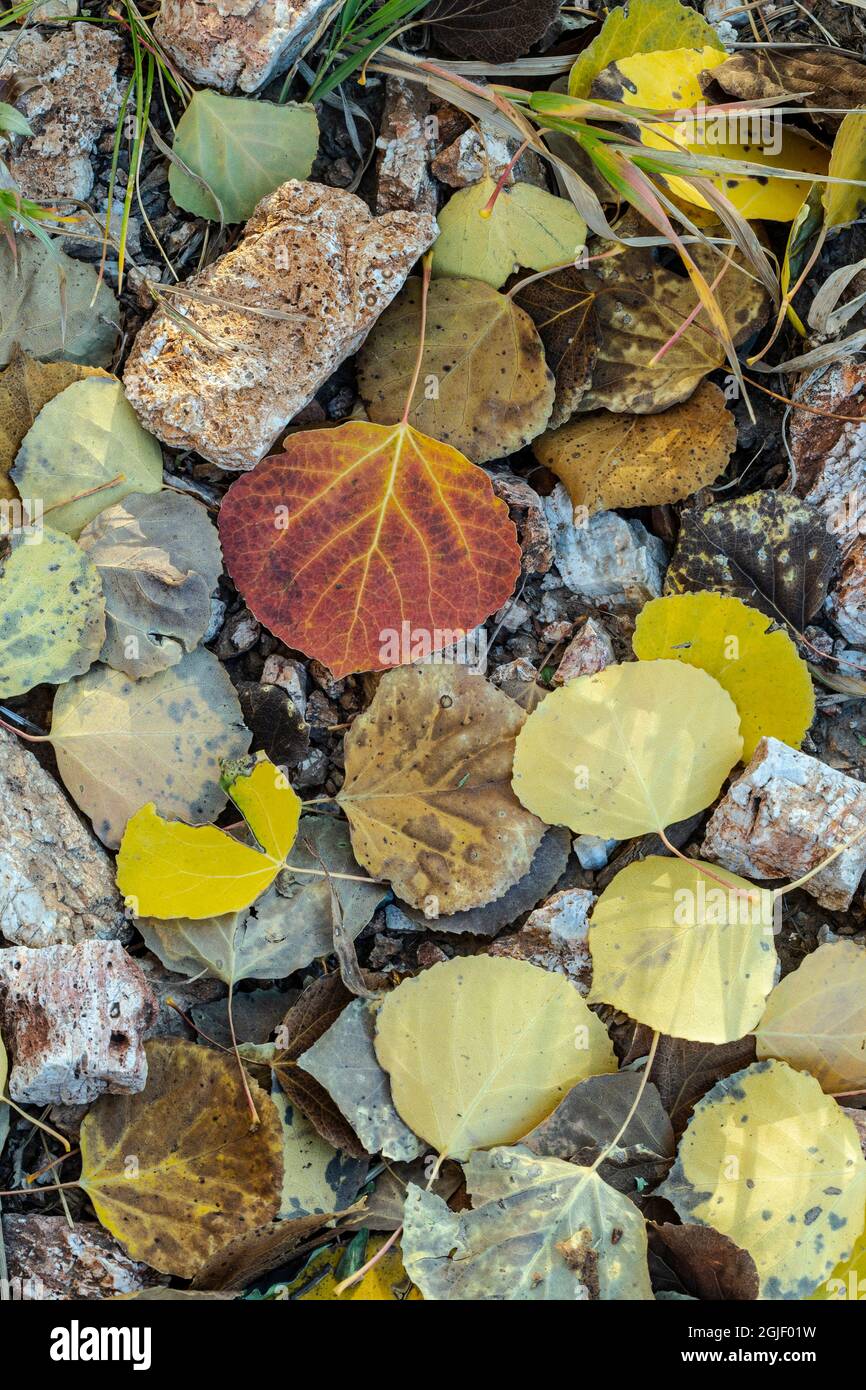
815, 1018
681, 953
848, 1280
843, 202
480, 1049
632, 749
387, 1281
761, 670
669, 81
609, 460
168, 869
776, 1165
52, 612
527, 227
641, 26
177, 1171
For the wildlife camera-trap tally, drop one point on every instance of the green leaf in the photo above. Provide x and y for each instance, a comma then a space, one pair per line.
12, 119
47, 306
242, 150
52, 613
527, 227
643, 26
80, 441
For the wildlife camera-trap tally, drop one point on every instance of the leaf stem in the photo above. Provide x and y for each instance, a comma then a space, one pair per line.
708, 873
425, 286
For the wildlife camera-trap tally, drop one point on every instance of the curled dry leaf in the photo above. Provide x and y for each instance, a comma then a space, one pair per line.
761, 670
52, 612
815, 1018
26, 386
355, 532
562, 307
631, 749
681, 953
772, 551
526, 227
539, 1230
81, 440
493, 391
427, 790
159, 560
753, 1126
608, 460
121, 743
445, 1036
200, 1175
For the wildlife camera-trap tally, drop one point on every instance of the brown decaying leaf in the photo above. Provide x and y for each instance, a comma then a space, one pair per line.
563, 310
202, 1173
640, 305
772, 551
495, 30
246, 1258
701, 1262
319, 1006
26, 385
819, 78
608, 460
684, 1071
428, 789
484, 386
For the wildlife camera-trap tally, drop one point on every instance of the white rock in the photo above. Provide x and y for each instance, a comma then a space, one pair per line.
56, 881
236, 43
404, 146
555, 937
593, 853
586, 654
74, 1020
606, 559
309, 252
784, 815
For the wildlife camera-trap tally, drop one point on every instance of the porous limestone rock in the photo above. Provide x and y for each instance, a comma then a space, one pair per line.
316, 270
784, 815
56, 880
74, 99
74, 1020
404, 148
236, 43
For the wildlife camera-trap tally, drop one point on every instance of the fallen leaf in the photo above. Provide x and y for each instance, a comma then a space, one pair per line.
772, 551
848, 1280
640, 305
176, 1171
247, 1257
547, 867
483, 388
382, 1210
815, 1018
632, 749
668, 80
358, 534
386, 1281
170, 869
52, 612
526, 227
843, 202
343, 1060
121, 743
682, 954
159, 560
495, 30
642, 26
684, 1071
81, 440
241, 149
821, 78
278, 729
25, 387
761, 670
591, 1117
563, 310
54, 306
316, 1179
755, 1127
444, 1039
539, 1230
608, 460
319, 1006
701, 1262
427, 789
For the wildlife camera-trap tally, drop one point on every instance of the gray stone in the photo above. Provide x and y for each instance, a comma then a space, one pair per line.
236, 43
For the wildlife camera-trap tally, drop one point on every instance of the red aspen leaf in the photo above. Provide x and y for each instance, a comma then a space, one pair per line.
356, 532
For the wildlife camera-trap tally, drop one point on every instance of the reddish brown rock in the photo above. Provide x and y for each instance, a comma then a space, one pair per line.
586, 654
74, 1020
49, 1259
527, 512
316, 270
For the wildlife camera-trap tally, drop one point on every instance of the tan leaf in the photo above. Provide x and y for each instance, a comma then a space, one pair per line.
608, 460
428, 789
25, 387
